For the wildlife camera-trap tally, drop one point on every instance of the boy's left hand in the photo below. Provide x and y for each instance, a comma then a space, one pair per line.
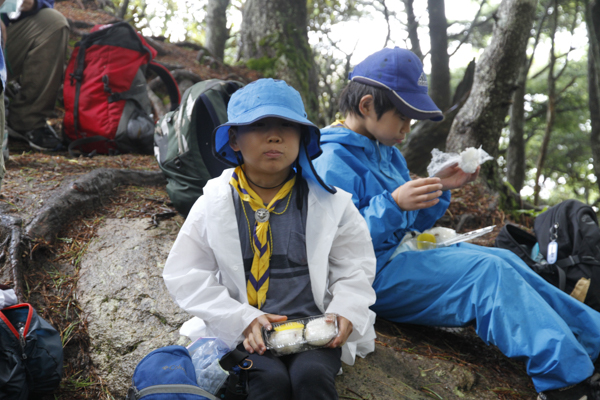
344, 330
453, 177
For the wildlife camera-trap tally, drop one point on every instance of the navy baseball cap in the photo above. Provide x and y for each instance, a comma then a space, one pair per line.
400, 73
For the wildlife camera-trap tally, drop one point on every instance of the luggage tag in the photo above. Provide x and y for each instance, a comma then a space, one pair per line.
552, 252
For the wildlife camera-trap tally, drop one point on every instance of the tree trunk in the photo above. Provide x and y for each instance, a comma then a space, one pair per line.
550, 110
275, 41
593, 25
515, 154
428, 135
412, 27
439, 87
123, 9
216, 28
481, 120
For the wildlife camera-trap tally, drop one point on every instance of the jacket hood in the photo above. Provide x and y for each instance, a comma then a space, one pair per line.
337, 133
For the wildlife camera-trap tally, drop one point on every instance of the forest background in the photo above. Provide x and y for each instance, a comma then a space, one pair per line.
516, 76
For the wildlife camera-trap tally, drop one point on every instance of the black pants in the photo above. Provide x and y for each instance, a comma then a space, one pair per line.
308, 375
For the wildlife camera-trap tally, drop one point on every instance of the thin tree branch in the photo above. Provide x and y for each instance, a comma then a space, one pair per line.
471, 26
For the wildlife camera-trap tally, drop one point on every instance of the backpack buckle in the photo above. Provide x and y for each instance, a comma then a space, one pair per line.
107, 88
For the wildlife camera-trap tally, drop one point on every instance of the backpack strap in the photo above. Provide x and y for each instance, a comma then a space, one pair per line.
77, 76
568, 262
168, 389
126, 95
233, 358
169, 81
551, 269
562, 278
235, 363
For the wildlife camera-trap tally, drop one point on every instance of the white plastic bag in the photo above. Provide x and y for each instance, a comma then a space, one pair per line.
7, 298
468, 160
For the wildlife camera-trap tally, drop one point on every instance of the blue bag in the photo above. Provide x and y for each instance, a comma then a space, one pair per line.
31, 353
168, 373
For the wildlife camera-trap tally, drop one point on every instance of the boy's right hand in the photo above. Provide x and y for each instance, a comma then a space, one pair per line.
254, 341
418, 194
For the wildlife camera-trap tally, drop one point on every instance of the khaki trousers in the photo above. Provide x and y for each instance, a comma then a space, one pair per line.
35, 52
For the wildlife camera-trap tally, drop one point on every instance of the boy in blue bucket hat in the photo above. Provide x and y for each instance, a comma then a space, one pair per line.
270, 241
512, 307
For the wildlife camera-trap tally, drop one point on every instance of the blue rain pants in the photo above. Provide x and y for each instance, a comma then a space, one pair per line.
556, 336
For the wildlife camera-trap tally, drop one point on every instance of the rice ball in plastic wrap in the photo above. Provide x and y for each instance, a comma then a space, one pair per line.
320, 331
468, 160
287, 338
471, 158
442, 234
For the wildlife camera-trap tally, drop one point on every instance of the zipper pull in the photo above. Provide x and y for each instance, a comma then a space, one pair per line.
22, 340
552, 252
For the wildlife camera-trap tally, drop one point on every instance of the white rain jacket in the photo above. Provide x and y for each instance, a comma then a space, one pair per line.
205, 272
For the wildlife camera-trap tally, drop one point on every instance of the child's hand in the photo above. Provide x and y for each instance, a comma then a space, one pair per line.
418, 194
253, 341
27, 5
344, 330
454, 177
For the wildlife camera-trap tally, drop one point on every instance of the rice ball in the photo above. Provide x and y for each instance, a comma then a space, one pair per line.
320, 331
287, 338
469, 160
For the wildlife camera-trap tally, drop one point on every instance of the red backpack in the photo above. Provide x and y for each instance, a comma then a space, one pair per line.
107, 109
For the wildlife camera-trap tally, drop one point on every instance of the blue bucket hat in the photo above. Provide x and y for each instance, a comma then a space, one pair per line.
400, 73
269, 98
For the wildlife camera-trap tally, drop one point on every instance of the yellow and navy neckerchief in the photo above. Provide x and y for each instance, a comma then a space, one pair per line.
261, 239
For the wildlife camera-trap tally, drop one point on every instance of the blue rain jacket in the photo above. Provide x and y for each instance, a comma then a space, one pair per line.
512, 307
371, 171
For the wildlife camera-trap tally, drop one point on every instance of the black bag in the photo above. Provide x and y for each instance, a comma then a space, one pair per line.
183, 140
574, 227
31, 353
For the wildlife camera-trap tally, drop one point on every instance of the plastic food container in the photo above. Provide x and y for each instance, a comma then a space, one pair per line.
302, 334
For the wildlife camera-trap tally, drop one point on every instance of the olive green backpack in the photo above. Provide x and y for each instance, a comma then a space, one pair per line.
183, 140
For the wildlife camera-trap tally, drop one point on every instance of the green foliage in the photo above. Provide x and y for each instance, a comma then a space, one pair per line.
173, 19
568, 165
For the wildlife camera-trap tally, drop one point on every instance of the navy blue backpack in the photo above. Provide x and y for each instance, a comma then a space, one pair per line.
31, 353
168, 374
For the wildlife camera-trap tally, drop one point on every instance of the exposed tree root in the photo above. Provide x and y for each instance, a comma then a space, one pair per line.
72, 198
84, 193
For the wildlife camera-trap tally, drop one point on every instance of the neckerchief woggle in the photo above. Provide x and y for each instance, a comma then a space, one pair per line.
258, 281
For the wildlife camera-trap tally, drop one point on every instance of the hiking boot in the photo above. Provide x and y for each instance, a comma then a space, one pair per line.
586, 390
44, 138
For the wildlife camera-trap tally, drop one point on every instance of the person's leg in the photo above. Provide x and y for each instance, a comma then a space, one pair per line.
268, 378
312, 373
583, 321
35, 52
456, 286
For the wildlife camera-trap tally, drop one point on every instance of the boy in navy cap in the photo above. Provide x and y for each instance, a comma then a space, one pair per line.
269, 241
512, 307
